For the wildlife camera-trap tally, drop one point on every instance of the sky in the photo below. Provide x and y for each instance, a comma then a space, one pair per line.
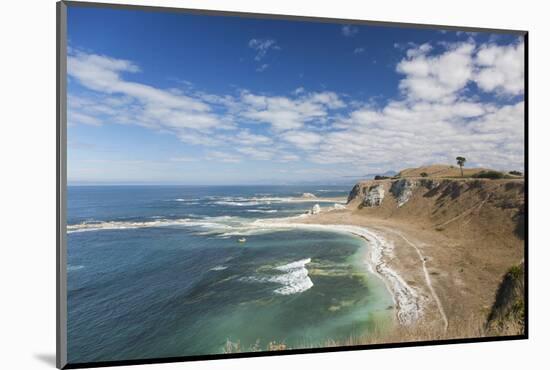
174, 98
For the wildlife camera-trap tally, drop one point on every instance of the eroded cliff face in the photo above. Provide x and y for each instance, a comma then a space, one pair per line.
473, 231
445, 204
403, 190
371, 193
374, 196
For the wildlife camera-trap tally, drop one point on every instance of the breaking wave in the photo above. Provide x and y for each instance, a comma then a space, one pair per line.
219, 224
218, 268
262, 210
256, 201
74, 268
292, 277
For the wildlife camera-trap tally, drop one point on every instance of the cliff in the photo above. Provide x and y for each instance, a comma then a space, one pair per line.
447, 205
472, 231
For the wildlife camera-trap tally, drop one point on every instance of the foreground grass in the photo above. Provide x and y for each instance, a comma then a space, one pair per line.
507, 318
468, 329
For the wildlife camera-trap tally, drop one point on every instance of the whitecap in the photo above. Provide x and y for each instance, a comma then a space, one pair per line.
262, 210
211, 223
256, 201
218, 268
294, 279
74, 268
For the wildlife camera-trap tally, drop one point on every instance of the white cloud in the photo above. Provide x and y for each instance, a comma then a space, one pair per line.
299, 90
436, 118
261, 154
420, 50
262, 68
501, 68
262, 46
302, 139
444, 76
349, 30
438, 77
358, 50
247, 138
117, 100
101, 73
218, 156
404, 134
284, 114
75, 117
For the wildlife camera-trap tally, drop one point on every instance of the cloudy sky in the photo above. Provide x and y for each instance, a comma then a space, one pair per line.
187, 99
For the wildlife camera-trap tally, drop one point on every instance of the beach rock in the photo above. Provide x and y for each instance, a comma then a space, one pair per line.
316, 209
402, 190
308, 196
374, 196
339, 206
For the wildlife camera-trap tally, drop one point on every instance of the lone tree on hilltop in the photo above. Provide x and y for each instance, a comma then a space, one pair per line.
460, 161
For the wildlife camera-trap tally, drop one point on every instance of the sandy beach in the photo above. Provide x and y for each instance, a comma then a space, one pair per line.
435, 277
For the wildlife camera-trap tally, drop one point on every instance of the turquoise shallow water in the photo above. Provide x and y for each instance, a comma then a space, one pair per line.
159, 272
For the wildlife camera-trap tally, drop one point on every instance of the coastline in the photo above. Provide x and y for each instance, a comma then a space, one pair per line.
409, 302
438, 278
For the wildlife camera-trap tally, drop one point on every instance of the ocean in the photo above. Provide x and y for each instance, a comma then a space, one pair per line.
159, 271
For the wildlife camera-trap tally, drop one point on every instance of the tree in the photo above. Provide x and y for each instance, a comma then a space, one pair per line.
460, 161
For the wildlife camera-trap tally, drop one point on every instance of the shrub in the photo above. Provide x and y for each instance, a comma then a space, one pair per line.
516, 271
380, 177
515, 173
423, 174
493, 175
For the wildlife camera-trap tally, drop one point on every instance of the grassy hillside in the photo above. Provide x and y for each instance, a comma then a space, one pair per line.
446, 171
473, 230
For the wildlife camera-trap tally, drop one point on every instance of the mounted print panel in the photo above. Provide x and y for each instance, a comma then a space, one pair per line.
241, 185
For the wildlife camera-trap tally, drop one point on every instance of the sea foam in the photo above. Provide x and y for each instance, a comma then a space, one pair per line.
293, 278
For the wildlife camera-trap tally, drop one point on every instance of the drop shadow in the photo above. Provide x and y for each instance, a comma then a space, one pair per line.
46, 358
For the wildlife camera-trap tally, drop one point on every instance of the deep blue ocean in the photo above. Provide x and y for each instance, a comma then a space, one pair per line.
159, 271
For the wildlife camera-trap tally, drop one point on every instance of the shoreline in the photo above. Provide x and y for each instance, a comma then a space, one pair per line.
408, 303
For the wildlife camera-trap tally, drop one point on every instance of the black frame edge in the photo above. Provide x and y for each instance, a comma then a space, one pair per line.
526, 181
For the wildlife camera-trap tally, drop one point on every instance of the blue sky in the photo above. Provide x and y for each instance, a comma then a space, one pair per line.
171, 98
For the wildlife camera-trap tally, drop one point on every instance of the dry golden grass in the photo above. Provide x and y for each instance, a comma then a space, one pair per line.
469, 329
471, 230
439, 170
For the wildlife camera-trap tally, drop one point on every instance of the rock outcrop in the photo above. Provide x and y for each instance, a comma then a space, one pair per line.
374, 196
354, 192
316, 209
472, 232
402, 190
